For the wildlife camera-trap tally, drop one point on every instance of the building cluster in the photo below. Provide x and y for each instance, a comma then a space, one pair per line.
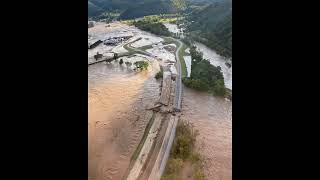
113, 41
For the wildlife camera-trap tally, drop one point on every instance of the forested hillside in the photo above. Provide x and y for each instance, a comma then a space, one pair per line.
148, 8
207, 21
135, 8
213, 26
93, 10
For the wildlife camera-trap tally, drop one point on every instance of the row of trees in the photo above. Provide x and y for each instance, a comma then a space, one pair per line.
153, 27
204, 76
139, 65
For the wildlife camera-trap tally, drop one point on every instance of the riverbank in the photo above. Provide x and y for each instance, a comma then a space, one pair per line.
210, 54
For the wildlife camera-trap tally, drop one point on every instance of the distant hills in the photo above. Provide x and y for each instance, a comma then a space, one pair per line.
135, 8
148, 8
208, 21
93, 10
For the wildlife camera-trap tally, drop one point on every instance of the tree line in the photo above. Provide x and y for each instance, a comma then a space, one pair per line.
204, 76
152, 27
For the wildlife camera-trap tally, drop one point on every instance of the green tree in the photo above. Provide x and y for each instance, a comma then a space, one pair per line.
159, 74
151, 25
141, 65
204, 76
196, 56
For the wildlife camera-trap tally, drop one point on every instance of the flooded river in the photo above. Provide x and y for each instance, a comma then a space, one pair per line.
217, 60
211, 55
117, 116
117, 100
212, 117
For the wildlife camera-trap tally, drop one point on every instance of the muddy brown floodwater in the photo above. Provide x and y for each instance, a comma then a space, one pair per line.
212, 117
117, 116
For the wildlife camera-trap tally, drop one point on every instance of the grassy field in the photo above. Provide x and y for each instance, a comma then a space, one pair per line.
182, 53
143, 48
132, 50
129, 49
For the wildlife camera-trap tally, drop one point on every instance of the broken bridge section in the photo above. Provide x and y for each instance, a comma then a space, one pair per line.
166, 89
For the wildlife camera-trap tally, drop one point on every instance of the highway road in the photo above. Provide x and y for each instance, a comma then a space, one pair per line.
178, 81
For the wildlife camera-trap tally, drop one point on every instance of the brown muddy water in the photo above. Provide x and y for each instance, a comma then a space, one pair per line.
212, 117
117, 100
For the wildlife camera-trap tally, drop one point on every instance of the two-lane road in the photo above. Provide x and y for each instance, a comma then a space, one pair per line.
178, 79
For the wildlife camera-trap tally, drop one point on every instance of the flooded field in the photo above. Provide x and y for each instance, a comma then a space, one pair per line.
118, 97
212, 117
117, 116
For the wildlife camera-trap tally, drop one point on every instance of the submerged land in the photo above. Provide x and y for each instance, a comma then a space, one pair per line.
124, 117
160, 98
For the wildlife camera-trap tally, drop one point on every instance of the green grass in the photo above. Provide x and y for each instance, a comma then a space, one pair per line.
143, 48
183, 63
144, 137
135, 50
130, 50
169, 40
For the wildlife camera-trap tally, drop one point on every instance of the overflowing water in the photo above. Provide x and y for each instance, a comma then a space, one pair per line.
212, 117
212, 56
117, 100
217, 60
